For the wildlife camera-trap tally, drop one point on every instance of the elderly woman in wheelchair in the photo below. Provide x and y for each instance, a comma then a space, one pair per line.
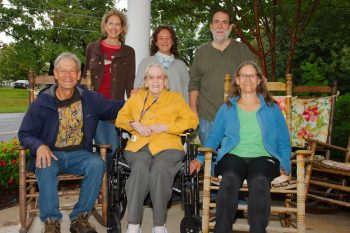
155, 118
254, 145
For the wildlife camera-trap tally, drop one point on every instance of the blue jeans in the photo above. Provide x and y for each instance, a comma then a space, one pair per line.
106, 133
203, 133
79, 162
204, 129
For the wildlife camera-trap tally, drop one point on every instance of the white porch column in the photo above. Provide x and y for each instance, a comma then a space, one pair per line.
139, 21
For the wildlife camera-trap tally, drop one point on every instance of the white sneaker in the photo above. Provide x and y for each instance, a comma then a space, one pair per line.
159, 229
133, 228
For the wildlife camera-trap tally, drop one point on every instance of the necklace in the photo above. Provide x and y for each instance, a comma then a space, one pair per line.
143, 112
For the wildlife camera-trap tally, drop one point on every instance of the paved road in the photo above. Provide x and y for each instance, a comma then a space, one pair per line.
9, 125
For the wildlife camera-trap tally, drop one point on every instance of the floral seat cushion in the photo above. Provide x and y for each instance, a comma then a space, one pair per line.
281, 102
310, 119
336, 165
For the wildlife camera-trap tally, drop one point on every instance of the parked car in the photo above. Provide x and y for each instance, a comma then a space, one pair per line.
24, 84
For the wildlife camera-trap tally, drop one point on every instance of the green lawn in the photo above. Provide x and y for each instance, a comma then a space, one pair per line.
13, 100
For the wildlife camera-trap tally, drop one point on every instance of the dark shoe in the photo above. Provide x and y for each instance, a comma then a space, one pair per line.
52, 226
81, 225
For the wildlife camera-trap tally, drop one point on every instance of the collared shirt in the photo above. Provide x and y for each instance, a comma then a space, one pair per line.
208, 72
177, 75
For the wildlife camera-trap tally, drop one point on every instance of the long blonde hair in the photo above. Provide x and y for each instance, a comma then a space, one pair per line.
122, 18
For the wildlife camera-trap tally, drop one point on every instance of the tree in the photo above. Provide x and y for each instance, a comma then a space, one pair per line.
323, 54
261, 25
9, 69
44, 28
188, 18
272, 29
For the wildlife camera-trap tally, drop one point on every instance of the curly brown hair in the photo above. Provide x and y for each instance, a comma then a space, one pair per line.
154, 49
122, 18
235, 90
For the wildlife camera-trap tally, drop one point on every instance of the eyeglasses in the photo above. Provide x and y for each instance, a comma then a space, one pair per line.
248, 76
155, 77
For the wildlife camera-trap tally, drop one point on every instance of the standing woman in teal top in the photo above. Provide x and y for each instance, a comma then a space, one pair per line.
254, 145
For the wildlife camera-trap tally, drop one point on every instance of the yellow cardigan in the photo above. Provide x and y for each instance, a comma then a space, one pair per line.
170, 110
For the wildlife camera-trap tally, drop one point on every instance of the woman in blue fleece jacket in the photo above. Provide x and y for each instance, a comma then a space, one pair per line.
254, 145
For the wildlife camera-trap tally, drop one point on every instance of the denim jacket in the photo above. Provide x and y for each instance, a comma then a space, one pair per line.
40, 123
274, 130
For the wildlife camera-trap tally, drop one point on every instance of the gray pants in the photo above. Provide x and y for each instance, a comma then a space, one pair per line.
154, 174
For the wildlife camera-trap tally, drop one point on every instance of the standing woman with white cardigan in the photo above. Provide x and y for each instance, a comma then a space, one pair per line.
164, 51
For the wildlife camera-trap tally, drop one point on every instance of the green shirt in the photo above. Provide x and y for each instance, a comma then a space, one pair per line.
250, 144
208, 71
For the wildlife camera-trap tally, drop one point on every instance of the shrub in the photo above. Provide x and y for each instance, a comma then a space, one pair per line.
9, 169
341, 131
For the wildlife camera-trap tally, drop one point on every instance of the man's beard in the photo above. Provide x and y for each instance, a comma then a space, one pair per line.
220, 39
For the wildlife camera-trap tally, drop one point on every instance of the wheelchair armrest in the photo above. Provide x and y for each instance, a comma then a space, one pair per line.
124, 131
187, 132
124, 134
184, 134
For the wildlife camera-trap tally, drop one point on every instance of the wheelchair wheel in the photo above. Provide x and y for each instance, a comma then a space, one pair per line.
114, 225
116, 212
122, 207
117, 203
191, 224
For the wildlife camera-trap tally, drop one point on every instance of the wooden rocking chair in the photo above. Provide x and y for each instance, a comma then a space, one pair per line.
28, 193
293, 186
330, 179
312, 126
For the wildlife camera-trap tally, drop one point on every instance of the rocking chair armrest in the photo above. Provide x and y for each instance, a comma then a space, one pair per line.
204, 149
103, 150
22, 156
22, 152
107, 146
327, 145
300, 155
304, 153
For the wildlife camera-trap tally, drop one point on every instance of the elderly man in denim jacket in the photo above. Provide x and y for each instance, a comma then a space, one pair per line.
58, 128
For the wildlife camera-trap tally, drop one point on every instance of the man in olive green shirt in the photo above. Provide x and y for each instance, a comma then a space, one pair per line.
211, 63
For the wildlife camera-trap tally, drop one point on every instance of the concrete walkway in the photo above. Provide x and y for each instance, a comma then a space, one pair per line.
329, 223
9, 221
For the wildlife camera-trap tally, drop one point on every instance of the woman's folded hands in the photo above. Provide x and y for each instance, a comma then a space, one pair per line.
145, 130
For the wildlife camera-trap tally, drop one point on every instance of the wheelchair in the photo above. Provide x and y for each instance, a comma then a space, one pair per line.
189, 188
